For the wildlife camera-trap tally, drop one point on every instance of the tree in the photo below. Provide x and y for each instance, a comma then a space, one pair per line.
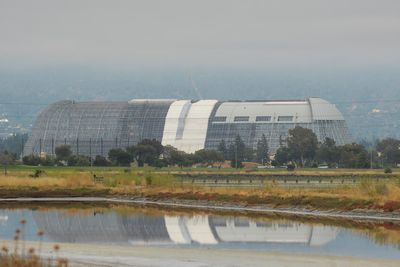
78, 160
168, 155
63, 152
262, 150
208, 156
328, 152
302, 144
47, 160
354, 156
390, 150
119, 157
282, 156
237, 152
147, 151
31, 160
6, 159
223, 149
186, 160
173, 156
35, 160
145, 154
154, 143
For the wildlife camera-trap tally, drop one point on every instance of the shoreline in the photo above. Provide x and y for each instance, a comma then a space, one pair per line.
98, 255
365, 215
247, 192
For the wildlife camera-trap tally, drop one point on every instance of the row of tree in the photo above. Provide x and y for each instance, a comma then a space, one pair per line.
152, 153
149, 152
301, 149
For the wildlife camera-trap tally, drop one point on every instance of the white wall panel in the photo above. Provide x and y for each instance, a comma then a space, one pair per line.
187, 124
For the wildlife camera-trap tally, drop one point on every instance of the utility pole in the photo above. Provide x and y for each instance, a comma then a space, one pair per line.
371, 159
236, 160
52, 146
90, 151
40, 147
5, 169
22, 147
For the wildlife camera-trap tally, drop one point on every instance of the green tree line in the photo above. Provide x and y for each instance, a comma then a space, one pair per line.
300, 149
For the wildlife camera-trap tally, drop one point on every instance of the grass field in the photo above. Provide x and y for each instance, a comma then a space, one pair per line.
383, 194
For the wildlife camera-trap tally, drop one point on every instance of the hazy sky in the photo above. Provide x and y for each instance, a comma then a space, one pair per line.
202, 32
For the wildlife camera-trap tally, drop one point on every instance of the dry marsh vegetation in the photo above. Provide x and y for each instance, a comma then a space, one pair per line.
154, 184
19, 255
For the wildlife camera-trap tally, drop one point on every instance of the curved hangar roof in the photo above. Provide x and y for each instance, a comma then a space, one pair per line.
300, 111
93, 128
157, 229
190, 126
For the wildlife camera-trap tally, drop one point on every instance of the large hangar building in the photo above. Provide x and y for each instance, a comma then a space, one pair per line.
93, 128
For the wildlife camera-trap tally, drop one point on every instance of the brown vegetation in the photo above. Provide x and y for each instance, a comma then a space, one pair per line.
376, 193
19, 256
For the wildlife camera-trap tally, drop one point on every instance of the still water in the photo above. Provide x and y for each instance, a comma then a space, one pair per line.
138, 226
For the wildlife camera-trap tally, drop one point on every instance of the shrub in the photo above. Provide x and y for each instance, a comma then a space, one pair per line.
381, 189
111, 181
149, 179
159, 163
78, 160
314, 165
34, 160
388, 170
290, 167
119, 157
31, 160
101, 161
367, 187
47, 161
36, 173
63, 152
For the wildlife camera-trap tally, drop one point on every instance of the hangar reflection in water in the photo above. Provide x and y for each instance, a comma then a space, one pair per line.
151, 227
139, 228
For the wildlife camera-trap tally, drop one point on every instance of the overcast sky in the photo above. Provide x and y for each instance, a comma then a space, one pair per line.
203, 32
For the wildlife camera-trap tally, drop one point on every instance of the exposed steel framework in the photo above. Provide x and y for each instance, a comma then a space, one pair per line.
93, 128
